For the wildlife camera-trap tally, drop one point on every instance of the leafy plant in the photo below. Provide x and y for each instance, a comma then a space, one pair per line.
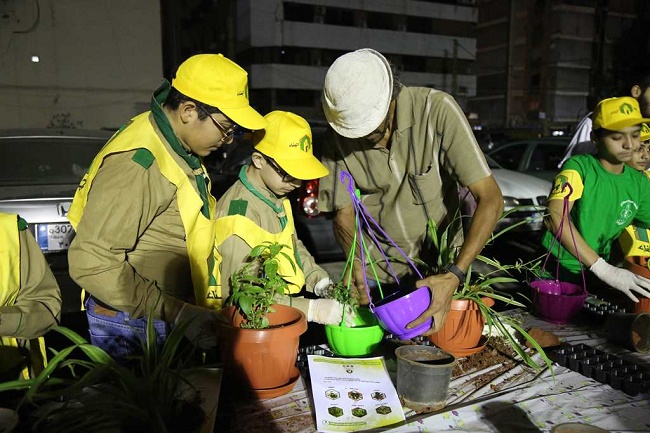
257, 282
101, 395
479, 285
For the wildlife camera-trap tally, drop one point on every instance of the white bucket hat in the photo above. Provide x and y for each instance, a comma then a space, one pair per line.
357, 92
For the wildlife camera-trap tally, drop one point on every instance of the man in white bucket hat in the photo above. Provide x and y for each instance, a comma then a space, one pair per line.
408, 150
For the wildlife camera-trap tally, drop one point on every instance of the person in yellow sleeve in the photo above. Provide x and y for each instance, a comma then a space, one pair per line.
607, 196
635, 241
30, 299
256, 209
143, 213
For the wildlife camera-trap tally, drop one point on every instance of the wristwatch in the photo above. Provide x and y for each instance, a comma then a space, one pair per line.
456, 271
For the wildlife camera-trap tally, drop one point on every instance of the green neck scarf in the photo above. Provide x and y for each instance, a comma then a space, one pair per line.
279, 210
202, 179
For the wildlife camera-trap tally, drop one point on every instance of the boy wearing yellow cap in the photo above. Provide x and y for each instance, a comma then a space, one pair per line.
607, 197
143, 214
256, 209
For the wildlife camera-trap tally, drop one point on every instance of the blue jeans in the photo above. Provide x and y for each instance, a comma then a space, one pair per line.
118, 334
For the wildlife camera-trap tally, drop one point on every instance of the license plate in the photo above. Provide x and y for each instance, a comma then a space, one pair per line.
54, 237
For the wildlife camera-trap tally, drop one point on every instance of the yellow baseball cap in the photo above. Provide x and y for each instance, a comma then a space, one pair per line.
287, 140
645, 132
617, 113
221, 83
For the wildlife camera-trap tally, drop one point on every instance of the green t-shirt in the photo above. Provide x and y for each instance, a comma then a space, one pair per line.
604, 204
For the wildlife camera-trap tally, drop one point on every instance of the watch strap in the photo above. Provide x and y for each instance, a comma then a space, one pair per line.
456, 271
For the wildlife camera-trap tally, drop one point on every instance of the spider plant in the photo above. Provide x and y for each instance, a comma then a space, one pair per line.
103, 396
480, 285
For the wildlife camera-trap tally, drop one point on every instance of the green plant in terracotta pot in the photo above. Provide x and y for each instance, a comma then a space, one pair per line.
259, 341
472, 303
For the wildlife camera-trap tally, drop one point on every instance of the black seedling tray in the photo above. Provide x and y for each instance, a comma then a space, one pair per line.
302, 360
598, 309
604, 367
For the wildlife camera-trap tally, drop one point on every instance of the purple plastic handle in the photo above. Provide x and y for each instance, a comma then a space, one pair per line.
365, 219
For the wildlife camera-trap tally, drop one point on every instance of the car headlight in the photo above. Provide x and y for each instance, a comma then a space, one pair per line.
510, 201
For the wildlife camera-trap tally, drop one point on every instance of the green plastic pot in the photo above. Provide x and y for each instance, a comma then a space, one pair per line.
359, 340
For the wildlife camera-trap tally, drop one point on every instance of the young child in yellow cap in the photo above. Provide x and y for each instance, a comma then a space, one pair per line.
607, 196
641, 155
635, 242
256, 209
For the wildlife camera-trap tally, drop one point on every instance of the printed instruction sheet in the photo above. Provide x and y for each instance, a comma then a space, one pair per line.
353, 394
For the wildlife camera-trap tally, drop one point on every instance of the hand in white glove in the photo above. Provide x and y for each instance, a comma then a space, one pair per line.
621, 279
329, 312
200, 330
322, 288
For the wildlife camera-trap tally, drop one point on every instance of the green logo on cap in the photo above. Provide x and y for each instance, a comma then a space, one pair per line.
644, 128
626, 108
305, 143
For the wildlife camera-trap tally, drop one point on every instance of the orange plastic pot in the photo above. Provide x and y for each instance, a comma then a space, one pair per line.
264, 359
639, 265
461, 334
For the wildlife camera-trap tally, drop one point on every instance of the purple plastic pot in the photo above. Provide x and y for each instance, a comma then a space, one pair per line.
557, 308
397, 310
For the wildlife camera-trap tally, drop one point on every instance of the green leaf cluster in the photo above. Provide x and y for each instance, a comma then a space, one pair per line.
98, 394
478, 286
255, 284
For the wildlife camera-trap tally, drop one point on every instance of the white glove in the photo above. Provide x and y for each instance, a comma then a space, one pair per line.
321, 289
199, 331
329, 312
621, 279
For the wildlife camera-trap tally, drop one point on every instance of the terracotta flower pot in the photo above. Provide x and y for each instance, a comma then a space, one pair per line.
264, 358
463, 328
639, 265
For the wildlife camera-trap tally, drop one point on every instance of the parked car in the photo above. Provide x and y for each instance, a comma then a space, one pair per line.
524, 193
537, 157
40, 171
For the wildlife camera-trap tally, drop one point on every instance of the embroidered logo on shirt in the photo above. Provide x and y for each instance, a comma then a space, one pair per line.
627, 212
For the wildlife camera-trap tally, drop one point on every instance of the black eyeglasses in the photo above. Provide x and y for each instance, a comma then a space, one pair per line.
227, 133
286, 177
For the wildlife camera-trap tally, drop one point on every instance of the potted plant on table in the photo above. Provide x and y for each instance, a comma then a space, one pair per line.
471, 306
360, 339
259, 342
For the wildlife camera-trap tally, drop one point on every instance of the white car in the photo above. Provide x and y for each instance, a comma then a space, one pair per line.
524, 198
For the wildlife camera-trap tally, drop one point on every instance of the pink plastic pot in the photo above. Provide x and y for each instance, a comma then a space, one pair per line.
397, 310
557, 301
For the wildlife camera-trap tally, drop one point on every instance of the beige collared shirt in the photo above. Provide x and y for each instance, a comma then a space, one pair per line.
130, 250
38, 305
432, 151
234, 249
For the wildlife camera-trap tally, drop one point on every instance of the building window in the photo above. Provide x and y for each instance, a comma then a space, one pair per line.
299, 12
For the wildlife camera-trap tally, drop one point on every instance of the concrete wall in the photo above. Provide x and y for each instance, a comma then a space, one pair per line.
99, 61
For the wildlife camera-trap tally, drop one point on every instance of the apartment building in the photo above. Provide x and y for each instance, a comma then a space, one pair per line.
545, 62
287, 45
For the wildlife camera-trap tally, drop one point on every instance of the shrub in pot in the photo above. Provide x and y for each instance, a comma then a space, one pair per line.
259, 341
472, 303
360, 339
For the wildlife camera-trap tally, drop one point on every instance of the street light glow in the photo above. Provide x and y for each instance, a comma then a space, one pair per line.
36, 59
